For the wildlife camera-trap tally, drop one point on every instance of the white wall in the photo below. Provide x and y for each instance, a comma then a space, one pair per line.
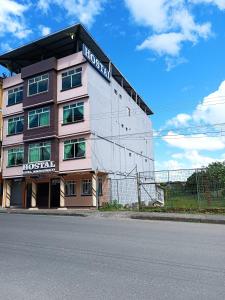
109, 117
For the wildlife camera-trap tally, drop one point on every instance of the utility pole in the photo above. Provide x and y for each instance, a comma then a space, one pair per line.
97, 190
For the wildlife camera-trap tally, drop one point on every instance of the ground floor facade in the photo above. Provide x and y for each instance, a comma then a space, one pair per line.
86, 189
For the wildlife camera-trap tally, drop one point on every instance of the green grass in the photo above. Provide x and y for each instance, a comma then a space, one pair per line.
192, 202
177, 204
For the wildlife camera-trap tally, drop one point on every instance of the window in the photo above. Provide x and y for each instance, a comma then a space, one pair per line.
15, 125
39, 151
71, 79
100, 193
38, 85
73, 113
70, 188
15, 95
74, 149
86, 187
15, 157
39, 117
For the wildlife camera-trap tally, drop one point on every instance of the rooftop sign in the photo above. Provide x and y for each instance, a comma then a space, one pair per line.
96, 63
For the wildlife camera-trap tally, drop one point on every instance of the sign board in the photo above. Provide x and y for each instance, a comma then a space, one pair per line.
39, 167
96, 63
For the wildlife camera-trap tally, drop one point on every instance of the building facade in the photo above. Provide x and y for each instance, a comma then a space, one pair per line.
1, 125
68, 119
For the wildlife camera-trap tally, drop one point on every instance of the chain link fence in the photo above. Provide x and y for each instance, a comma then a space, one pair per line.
185, 189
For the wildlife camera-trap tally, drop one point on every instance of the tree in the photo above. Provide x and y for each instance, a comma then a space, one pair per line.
212, 178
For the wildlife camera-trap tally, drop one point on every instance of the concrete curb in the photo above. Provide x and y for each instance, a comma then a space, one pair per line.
44, 213
203, 219
151, 216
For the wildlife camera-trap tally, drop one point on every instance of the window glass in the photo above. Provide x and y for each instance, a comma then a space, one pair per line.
15, 156
70, 188
74, 148
43, 86
71, 79
66, 83
87, 187
38, 84
33, 89
15, 125
73, 113
39, 151
39, 117
15, 96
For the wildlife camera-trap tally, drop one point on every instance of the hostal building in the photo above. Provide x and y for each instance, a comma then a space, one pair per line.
67, 113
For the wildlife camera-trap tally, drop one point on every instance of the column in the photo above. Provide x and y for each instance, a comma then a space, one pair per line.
62, 194
94, 190
6, 193
34, 195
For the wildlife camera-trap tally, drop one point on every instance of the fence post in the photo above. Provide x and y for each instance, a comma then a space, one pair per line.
138, 190
117, 191
197, 188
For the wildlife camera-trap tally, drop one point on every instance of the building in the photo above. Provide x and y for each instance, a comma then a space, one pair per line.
68, 114
1, 96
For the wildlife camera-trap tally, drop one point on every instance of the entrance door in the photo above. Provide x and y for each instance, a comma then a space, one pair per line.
29, 194
16, 194
42, 195
55, 193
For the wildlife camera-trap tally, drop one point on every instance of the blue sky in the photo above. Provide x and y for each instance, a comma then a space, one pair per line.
172, 52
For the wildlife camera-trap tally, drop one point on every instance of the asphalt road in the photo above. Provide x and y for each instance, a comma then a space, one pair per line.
49, 257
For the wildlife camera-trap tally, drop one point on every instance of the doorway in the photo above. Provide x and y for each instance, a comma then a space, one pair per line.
55, 193
43, 195
16, 194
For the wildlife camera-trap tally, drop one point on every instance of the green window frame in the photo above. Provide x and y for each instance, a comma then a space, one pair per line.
15, 125
38, 85
39, 118
71, 79
15, 96
75, 148
70, 188
86, 187
15, 156
39, 152
73, 113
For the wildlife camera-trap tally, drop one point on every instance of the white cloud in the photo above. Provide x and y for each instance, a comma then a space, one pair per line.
179, 120
84, 10
44, 30
209, 112
203, 119
12, 19
5, 47
43, 5
212, 108
188, 159
165, 43
194, 142
172, 62
219, 3
171, 22
194, 159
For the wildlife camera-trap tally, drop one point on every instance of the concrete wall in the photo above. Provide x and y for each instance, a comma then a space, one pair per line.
117, 115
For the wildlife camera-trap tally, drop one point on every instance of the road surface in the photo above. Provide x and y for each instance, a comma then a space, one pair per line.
55, 257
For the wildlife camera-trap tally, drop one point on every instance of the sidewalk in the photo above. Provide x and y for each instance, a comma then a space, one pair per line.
177, 217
